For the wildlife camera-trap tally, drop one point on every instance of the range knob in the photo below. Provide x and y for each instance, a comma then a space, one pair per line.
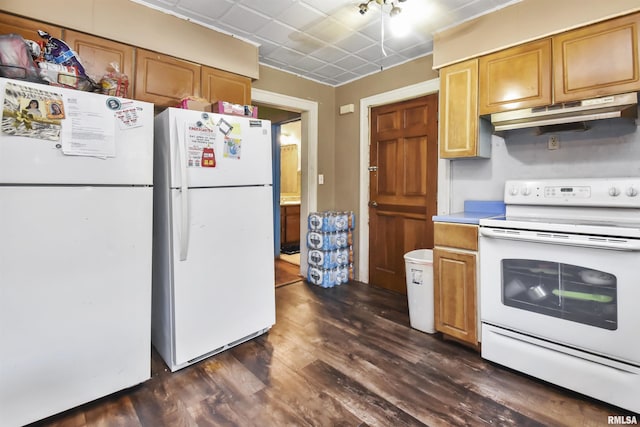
525, 191
632, 192
614, 191
513, 191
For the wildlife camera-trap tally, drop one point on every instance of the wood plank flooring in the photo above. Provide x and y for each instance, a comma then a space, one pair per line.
286, 272
343, 356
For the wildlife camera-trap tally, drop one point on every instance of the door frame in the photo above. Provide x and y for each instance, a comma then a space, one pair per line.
309, 145
396, 95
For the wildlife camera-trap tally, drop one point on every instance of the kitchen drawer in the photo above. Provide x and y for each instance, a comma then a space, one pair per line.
461, 236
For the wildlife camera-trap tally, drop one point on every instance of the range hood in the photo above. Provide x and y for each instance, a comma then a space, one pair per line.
623, 105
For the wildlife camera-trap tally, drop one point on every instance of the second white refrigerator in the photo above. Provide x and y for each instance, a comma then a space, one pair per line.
213, 267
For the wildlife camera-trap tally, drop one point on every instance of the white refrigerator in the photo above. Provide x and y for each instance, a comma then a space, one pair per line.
76, 202
213, 265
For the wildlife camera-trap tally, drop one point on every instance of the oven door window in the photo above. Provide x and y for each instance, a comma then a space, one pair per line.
571, 292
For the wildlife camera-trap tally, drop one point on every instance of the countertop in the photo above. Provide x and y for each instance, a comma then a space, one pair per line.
474, 211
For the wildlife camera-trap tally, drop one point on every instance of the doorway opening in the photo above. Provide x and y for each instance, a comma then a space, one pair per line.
307, 115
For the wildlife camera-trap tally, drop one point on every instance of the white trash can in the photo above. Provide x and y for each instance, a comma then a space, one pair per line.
419, 272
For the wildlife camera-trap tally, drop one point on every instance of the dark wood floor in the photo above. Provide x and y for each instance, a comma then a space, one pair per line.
343, 356
286, 272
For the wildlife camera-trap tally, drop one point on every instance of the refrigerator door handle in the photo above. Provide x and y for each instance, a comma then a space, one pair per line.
181, 158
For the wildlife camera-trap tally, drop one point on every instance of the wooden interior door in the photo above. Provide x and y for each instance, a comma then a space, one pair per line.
403, 183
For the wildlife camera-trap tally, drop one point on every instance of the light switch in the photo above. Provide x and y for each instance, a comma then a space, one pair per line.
320, 179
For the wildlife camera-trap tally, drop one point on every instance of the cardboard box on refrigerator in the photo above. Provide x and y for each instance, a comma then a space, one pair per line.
223, 107
194, 104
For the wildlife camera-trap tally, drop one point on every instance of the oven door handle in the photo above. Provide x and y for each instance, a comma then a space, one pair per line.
597, 242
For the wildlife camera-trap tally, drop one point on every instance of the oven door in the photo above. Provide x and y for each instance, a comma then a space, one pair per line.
579, 291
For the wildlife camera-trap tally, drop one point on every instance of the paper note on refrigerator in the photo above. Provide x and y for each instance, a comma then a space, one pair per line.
200, 145
89, 129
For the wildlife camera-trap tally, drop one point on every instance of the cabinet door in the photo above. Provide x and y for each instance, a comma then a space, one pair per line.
459, 122
97, 54
165, 80
27, 28
598, 60
519, 77
292, 230
218, 85
455, 294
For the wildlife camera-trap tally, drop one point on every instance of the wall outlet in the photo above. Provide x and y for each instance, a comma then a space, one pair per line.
554, 143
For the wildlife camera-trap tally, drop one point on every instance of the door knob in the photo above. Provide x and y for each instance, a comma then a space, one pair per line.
373, 204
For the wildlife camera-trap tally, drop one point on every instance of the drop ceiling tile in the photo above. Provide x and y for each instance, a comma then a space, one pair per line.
328, 7
330, 54
275, 32
300, 16
270, 8
203, 11
368, 68
328, 29
329, 71
286, 56
309, 63
354, 42
245, 19
304, 42
350, 62
417, 51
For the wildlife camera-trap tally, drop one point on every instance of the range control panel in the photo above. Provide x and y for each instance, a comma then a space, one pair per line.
605, 192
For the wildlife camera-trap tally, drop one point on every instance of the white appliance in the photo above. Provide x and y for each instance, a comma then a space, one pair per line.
213, 275
75, 254
559, 286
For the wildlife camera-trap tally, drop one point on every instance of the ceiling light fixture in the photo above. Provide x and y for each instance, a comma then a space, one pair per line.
394, 11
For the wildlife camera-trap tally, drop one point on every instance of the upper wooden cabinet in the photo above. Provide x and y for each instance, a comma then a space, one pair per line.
519, 77
165, 80
598, 60
97, 54
218, 85
461, 133
27, 28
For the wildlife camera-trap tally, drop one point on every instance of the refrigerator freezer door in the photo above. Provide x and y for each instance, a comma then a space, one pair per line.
30, 160
241, 157
225, 289
75, 296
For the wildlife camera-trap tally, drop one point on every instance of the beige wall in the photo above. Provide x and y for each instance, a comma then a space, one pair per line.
131, 23
522, 22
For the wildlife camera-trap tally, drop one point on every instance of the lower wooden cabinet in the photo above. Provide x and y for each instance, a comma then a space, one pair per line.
289, 224
455, 281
